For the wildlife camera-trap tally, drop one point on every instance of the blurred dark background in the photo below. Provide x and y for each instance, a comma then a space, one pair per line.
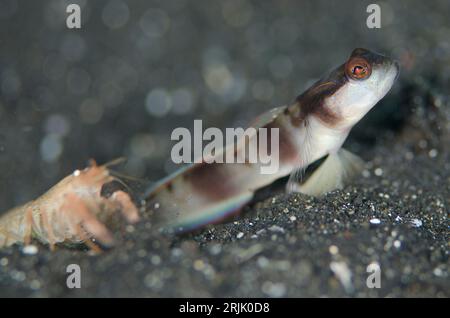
138, 69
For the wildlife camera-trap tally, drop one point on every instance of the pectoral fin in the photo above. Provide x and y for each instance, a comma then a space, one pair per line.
336, 170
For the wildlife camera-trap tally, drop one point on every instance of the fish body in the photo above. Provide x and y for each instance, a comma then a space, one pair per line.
315, 125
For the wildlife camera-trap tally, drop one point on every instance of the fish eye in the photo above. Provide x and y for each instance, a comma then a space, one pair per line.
358, 69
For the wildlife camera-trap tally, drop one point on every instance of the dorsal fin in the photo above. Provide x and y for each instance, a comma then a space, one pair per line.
267, 117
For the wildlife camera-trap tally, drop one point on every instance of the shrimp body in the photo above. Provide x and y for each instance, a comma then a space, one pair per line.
68, 212
12, 226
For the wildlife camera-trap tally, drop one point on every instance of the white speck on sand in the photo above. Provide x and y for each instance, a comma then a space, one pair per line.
30, 250
375, 221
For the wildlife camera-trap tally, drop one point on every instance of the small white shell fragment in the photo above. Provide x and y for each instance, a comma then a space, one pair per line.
30, 250
333, 249
240, 235
378, 172
438, 272
416, 222
375, 221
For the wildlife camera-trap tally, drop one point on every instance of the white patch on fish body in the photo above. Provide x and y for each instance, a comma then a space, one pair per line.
322, 139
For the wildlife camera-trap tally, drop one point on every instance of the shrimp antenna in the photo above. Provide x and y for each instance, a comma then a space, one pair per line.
124, 176
115, 162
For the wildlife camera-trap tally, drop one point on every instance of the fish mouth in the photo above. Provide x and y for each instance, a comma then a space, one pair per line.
391, 70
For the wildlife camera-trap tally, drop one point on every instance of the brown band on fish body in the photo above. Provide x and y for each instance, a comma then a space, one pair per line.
311, 102
204, 177
287, 150
243, 147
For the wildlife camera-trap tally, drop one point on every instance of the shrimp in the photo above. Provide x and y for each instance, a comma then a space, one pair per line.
69, 211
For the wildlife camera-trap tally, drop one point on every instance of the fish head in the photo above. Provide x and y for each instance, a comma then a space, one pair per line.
363, 80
